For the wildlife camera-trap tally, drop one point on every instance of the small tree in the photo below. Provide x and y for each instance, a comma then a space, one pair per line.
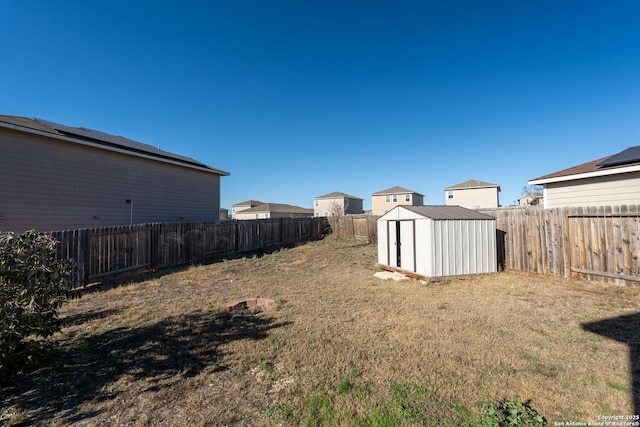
534, 192
336, 208
33, 286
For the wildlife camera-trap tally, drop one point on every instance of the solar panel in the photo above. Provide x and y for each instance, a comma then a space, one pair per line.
630, 155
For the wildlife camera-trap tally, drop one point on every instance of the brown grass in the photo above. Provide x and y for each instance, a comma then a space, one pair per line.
341, 347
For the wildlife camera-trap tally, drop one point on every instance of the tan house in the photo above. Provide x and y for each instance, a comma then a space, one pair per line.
336, 204
610, 181
57, 177
533, 199
274, 210
473, 194
385, 200
238, 207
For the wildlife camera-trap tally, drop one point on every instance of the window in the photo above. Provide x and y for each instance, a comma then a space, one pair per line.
257, 216
395, 198
387, 198
407, 197
316, 203
450, 194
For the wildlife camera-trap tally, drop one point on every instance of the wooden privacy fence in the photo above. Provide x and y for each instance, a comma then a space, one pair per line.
595, 243
110, 252
361, 227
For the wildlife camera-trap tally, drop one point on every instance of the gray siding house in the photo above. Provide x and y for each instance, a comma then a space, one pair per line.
57, 177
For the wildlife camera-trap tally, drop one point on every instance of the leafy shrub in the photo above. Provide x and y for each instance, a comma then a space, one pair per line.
33, 286
511, 413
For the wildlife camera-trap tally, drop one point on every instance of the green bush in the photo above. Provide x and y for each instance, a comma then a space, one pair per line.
33, 286
511, 413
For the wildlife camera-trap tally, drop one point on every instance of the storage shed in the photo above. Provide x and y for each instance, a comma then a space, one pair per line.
432, 242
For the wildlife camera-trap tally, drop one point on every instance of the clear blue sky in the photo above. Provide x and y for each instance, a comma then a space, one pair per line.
297, 99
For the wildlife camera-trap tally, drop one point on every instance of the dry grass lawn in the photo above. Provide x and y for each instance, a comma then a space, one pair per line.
341, 347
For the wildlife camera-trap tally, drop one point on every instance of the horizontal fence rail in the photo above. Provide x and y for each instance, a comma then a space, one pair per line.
112, 252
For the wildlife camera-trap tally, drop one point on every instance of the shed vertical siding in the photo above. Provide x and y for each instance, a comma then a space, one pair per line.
49, 184
383, 243
462, 247
440, 246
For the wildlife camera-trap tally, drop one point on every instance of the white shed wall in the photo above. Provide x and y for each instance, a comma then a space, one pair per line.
383, 240
462, 247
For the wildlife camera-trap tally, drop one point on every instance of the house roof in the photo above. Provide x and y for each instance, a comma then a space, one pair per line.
445, 212
250, 203
279, 208
395, 190
472, 183
337, 194
102, 140
625, 161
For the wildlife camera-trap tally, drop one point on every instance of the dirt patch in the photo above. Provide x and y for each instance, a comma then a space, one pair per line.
247, 303
340, 345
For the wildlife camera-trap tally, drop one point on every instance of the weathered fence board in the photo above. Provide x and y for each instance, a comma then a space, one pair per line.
360, 227
595, 243
110, 252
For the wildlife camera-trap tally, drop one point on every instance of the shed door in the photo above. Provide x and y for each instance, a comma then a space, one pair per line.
401, 245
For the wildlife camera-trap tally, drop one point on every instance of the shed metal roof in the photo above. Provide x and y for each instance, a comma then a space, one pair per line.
446, 212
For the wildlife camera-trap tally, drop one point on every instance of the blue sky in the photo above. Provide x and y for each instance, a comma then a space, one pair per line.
297, 99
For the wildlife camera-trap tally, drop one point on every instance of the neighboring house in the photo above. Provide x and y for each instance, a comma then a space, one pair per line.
385, 200
533, 199
336, 204
609, 181
56, 177
239, 207
473, 194
274, 210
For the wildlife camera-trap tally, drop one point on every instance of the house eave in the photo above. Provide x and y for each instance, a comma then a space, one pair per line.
594, 174
111, 148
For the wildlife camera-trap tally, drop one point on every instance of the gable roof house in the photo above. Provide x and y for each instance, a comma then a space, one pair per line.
473, 194
238, 207
533, 199
385, 200
274, 210
609, 181
336, 204
57, 177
